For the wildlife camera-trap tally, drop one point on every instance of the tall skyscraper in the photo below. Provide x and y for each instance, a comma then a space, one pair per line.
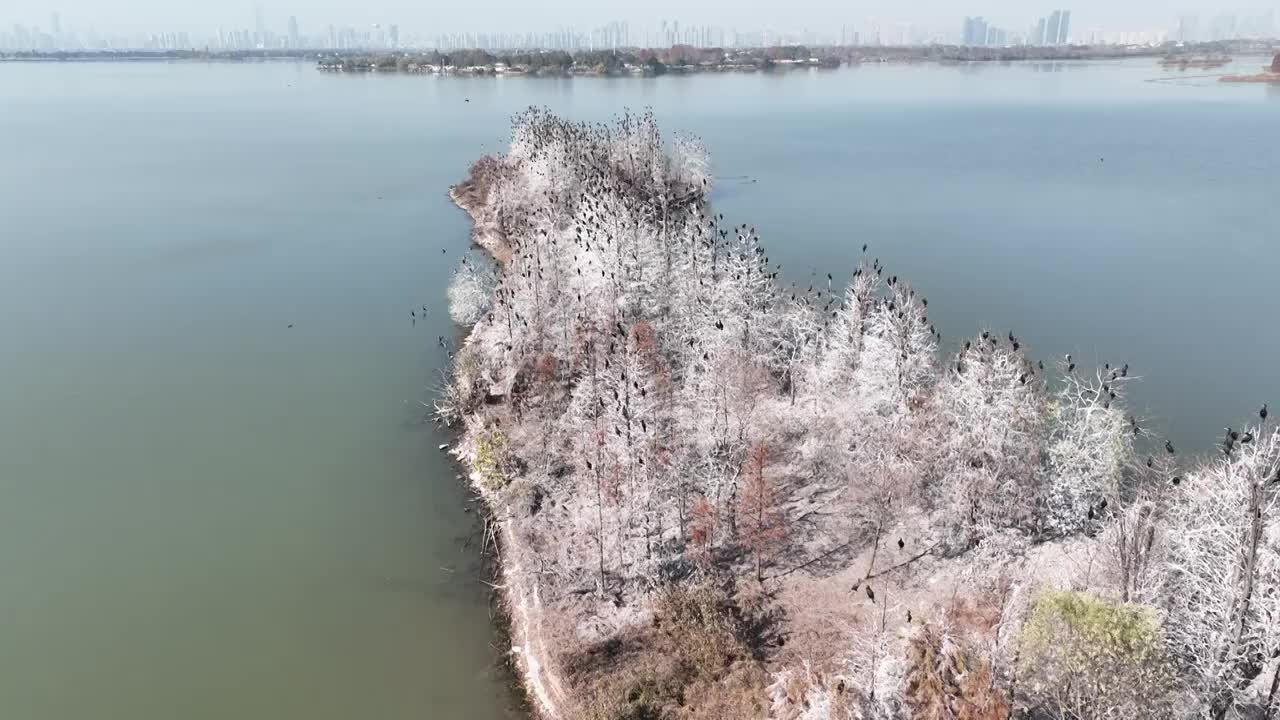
1051, 28
293, 32
974, 33
1040, 30
260, 26
1064, 27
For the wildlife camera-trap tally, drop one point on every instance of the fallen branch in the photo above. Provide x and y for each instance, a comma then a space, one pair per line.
904, 563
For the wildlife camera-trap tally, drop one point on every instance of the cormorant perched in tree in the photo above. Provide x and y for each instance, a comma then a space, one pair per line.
1177, 480
1168, 447
901, 544
908, 617
871, 595
1263, 412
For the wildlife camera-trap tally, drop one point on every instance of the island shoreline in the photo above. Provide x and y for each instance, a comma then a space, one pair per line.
519, 601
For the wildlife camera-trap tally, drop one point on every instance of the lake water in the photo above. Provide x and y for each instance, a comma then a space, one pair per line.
205, 513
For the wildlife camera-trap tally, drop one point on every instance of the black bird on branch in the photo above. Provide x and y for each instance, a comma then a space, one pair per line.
871, 595
901, 544
1168, 447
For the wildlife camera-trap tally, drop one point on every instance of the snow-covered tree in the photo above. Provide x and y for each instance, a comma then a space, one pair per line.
1223, 584
471, 290
993, 415
1089, 446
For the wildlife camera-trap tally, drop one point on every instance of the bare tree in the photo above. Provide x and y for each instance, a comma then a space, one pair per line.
1224, 553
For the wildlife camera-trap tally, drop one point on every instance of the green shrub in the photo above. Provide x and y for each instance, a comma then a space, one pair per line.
492, 460
1083, 657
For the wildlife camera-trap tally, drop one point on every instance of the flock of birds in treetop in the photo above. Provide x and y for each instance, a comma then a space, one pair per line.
594, 222
609, 193
617, 269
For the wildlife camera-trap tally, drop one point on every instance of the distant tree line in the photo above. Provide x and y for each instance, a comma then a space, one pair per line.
615, 61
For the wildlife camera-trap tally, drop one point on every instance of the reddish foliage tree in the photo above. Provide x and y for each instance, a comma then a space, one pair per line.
761, 525
702, 526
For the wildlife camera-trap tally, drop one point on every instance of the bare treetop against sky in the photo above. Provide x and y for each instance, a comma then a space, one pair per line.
512, 16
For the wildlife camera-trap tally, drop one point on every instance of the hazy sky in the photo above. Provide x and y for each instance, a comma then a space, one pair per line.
432, 16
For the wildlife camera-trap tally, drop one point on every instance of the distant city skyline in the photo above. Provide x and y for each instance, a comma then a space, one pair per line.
259, 27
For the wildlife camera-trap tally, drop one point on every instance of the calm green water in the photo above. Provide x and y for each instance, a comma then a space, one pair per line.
207, 514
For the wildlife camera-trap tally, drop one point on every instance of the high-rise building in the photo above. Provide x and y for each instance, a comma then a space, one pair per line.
293, 32
1063, 27
1051, 28
975, 32
394, 33
1038, 40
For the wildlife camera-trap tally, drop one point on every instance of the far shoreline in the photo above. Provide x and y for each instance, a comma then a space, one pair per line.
652, 62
